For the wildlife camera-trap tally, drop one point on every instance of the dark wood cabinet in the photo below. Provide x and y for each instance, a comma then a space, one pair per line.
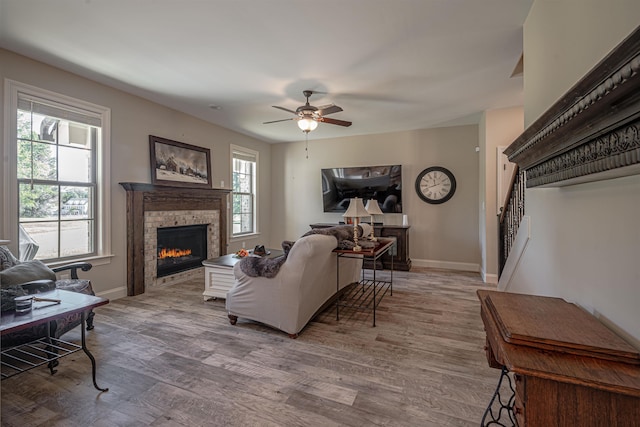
399, 253
569, 369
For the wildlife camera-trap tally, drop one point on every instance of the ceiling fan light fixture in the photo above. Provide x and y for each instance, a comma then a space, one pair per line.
307, 124
309, 116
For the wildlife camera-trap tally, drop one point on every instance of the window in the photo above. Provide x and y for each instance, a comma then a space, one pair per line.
59, 147
244, 193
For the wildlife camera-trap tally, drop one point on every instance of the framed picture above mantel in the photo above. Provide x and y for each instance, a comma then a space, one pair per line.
178, 164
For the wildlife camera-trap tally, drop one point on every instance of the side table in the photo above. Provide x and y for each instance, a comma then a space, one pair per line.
367, 294
218, 273
569, 369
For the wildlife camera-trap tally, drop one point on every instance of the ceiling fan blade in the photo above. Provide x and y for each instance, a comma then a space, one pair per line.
329, 109
276, 121
284, 109
334, 121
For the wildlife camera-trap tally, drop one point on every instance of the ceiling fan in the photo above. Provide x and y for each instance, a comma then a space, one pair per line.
309, 116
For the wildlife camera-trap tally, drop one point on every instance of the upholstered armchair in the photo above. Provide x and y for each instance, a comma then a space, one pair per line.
28, 277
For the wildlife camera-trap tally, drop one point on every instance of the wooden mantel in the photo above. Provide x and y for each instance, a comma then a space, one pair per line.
148, 197
593, 131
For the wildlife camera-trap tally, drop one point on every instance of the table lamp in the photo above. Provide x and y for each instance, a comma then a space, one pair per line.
373, 209
356, 210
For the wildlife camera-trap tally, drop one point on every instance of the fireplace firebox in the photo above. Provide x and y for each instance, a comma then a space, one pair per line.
181, 248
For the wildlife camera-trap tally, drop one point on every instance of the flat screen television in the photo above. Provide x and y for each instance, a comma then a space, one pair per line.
382, 183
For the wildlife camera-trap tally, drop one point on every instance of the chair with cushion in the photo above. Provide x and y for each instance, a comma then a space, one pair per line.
28, 277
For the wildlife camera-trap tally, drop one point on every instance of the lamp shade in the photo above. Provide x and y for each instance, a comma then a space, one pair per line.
307, 124
356, 209
373, 207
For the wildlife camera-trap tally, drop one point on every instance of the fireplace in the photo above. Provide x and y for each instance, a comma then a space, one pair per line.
151, 208
180, 248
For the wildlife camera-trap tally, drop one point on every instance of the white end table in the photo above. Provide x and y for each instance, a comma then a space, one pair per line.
218, 273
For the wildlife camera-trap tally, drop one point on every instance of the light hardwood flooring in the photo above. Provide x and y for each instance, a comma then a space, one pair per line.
171, 359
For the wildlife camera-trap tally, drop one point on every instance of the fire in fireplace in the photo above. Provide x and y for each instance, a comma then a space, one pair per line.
181, 248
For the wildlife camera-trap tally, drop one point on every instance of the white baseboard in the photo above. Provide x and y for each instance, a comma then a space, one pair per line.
489, 278
447, 265
113, 294
519, 245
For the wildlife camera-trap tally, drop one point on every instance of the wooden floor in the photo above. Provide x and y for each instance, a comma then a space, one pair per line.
171, 359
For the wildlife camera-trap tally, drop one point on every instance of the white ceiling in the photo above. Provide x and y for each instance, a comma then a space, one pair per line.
392, 65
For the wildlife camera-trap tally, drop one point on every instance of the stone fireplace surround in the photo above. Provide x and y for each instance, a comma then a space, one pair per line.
169, 206
161, 219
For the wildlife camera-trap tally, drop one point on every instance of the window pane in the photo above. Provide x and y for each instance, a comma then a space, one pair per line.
45, 235
246, 223
24, 129
46, 126
75, 164
77, 134
76, 202
75, 238
237, 226
246, 205
244, 183
41, 155
37, 202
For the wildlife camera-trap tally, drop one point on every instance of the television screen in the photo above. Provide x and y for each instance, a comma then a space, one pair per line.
382, 183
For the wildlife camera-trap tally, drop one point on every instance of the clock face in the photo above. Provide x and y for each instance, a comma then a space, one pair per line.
435, 185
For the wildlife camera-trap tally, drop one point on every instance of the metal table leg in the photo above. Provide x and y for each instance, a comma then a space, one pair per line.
88, 353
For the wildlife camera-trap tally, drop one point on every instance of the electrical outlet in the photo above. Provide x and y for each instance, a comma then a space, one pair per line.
242, 245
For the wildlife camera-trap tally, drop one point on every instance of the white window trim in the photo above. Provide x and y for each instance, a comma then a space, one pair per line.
9, 190
256, 214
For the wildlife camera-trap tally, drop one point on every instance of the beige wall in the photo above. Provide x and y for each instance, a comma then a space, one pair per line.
564, 39
497, 128
584, 238
441, 235
133, 120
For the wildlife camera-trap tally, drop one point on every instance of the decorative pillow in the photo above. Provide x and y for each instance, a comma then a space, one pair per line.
25, 272
6, 258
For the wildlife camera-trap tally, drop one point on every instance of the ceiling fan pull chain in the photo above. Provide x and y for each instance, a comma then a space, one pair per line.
306, 145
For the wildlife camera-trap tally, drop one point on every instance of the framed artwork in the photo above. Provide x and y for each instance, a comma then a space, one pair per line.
178, 164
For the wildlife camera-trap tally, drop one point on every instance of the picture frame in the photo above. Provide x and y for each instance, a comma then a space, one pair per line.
178, 164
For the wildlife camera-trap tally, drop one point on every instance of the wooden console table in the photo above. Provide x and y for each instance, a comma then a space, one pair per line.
398, 256
569, 369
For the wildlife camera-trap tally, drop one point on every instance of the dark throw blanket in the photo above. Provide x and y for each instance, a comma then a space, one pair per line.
254, 266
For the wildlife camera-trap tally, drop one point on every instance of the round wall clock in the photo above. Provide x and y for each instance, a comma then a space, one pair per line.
435, 185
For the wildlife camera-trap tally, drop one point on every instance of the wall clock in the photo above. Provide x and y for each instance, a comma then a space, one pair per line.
435, 185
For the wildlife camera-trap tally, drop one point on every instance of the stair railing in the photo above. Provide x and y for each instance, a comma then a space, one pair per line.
510, 216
